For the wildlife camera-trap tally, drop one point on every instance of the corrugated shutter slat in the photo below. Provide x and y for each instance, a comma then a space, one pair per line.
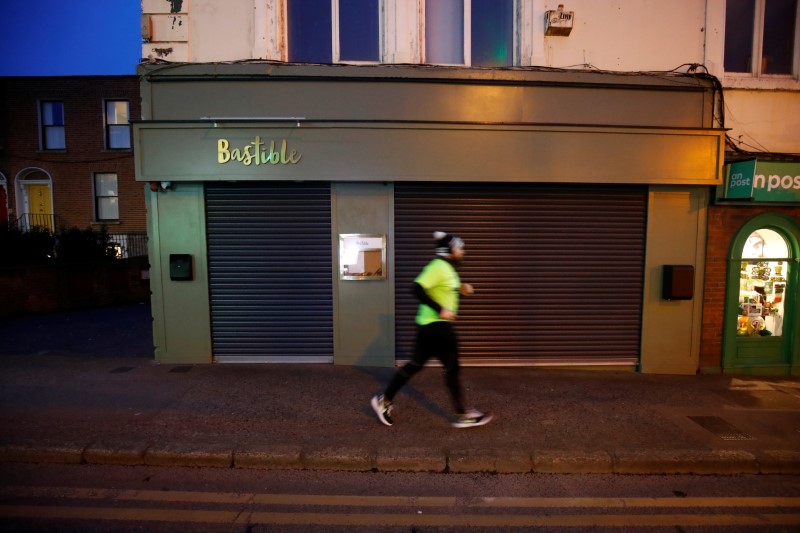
269, 254
558, 270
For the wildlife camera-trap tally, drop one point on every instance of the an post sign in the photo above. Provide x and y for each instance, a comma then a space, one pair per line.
763, 181
739, 180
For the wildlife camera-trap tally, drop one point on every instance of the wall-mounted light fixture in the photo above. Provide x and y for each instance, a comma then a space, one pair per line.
558, 22
156, 186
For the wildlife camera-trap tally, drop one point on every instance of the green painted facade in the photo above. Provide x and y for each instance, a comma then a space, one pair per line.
364, 129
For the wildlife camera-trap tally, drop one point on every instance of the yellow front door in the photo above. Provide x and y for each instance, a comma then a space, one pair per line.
41, 209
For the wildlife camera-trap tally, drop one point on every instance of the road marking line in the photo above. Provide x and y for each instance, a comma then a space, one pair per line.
667, 502
356, 501
128, 495
119, 514
395, 501
357, 519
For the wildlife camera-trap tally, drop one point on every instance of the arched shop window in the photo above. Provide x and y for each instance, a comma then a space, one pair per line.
762, 284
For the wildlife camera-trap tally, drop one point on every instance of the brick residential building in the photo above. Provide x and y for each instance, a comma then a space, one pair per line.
66, 153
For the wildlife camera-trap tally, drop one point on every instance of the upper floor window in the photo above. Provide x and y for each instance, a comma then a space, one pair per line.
469, 32
118, 128
106, 197
52, 124
761, 37
329, 31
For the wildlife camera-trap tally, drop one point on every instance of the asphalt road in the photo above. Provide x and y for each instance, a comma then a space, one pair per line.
94, 499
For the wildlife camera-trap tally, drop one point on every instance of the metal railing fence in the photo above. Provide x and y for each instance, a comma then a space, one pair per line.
128, 244
29, 221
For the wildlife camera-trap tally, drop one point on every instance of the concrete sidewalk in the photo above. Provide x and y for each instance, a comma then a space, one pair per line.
60, 402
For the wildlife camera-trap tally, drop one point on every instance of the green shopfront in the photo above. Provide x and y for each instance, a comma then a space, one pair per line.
290, 206
756, 216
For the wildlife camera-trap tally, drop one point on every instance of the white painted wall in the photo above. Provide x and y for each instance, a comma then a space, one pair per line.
617, 35
221, 30
764, 121
628, 35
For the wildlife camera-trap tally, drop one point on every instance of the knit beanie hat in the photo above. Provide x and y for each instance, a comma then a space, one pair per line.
445, 243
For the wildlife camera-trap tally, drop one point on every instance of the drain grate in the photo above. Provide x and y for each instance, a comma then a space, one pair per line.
720, 427
121, 370
180, 369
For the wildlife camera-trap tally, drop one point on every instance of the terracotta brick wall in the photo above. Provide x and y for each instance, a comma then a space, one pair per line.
723, 224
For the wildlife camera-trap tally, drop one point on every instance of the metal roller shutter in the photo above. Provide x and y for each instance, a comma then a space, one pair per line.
269, 264
558, 270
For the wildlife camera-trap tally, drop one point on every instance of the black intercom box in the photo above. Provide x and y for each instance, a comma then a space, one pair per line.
677, 282
180, 267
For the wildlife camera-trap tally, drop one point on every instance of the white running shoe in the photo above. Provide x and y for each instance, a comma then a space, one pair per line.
383, 409
472, 418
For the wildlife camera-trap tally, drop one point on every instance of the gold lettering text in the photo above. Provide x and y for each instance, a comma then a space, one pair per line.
258, 152
223, 155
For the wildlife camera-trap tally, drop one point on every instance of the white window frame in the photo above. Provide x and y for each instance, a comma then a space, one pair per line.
107, 125
335, 47
43, 127
515, 46
96, 197
423, 46
336, 53
758, 39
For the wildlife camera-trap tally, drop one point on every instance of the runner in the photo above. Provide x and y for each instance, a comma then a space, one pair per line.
438, 288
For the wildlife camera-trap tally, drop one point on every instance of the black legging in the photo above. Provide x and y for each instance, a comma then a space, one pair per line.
439, 340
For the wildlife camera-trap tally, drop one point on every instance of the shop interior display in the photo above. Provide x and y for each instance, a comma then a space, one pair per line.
762, 285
